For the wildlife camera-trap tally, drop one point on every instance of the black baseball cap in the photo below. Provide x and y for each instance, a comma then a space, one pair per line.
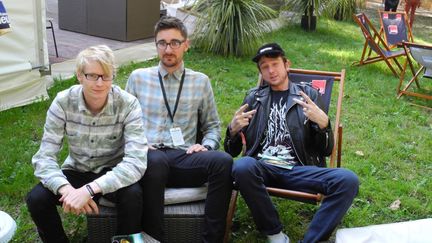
268, 49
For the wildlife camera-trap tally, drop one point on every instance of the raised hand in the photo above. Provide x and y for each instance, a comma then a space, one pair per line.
240, 119
312, 111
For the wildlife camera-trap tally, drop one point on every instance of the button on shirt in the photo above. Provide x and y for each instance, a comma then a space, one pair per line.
196, 104
114, 138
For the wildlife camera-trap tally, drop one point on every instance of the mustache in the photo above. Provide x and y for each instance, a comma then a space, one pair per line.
168, 55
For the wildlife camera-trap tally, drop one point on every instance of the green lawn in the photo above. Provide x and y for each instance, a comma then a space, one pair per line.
387, 141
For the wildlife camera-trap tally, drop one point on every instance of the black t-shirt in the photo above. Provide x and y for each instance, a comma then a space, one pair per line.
276, 141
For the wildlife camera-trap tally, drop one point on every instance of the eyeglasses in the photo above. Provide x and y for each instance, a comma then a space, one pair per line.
174, 44
95, 77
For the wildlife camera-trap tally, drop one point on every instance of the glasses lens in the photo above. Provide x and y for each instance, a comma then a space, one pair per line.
161, 44
107, 77
91, 76
175, 44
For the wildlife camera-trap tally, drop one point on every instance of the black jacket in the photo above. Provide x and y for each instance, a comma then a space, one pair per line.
311, 144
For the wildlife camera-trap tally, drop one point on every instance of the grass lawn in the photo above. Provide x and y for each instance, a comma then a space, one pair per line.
387, 141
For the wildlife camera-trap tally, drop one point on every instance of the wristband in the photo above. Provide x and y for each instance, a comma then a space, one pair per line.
90, 190
208, 147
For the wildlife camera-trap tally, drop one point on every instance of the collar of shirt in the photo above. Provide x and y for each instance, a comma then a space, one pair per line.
176, 74
108, 108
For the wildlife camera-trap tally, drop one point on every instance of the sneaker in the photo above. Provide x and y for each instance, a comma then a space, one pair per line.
278, 238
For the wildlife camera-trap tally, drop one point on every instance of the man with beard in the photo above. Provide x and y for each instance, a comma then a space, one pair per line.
176, 103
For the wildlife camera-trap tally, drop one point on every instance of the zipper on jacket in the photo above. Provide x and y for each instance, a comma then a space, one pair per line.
295, 151
327, 138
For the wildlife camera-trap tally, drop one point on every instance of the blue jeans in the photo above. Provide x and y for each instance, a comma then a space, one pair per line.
339, 186
192, 170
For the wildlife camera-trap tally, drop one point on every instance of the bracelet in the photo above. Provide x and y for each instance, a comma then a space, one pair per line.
90, 190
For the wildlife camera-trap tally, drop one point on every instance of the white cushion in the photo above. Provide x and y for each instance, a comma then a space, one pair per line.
417, 231
7, 227
182, 195
173, 196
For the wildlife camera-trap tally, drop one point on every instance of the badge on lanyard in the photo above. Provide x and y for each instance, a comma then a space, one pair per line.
176, 132
177, 136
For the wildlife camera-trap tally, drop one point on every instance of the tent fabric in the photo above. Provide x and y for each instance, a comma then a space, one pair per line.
23, 51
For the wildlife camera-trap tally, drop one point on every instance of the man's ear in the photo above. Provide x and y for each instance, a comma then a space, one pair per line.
80, 77
187, 44
287, 65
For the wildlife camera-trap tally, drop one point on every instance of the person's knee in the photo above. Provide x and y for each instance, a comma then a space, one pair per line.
226, 161
36, 199
220, 162
350, 181
243, 168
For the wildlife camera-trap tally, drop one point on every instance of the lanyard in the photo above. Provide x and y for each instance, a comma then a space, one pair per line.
178, 95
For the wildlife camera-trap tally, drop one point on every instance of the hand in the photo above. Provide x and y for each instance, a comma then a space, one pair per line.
312, 111
240, 119
90, 208
76, 200
151, 147
65, 189
196, 148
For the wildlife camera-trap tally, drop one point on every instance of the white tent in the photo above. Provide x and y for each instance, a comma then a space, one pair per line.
23, 54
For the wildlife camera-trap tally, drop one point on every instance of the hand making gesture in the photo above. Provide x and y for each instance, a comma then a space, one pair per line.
240, 119
312, 111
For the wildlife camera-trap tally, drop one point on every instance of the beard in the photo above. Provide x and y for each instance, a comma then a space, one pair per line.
169, 60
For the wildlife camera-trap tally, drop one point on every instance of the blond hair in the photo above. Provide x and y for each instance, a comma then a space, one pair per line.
101, 54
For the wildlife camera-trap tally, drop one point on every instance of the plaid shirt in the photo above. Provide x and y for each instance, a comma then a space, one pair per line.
114, 138
196, 104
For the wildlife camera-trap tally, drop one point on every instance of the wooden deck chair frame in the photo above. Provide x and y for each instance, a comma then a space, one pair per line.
336, 154
374, 43
394, 28
416, 74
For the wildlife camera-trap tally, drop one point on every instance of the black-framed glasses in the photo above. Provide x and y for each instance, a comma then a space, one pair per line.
95, 77
174, 44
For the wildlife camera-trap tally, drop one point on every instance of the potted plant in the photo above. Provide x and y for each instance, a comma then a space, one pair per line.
308, 8
338, 9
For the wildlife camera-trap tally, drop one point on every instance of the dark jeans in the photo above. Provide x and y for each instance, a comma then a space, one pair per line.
192, 170
339, 186
42, 203
391, 5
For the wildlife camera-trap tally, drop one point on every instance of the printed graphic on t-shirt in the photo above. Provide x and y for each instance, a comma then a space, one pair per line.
276, 145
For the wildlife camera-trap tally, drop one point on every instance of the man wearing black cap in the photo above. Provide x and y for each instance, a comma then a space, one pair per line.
283, 123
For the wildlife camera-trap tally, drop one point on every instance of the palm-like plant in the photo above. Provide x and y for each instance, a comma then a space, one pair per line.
230, 27
339, 9
342, 9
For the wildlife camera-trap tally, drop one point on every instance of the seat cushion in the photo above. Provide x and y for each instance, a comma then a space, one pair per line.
182, 195
173, 196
